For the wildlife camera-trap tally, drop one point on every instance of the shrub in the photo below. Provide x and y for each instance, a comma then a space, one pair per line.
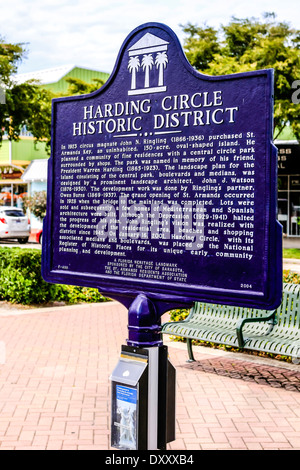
291, 277
179, 314
20, 277
37, 204
21, 281
75, 295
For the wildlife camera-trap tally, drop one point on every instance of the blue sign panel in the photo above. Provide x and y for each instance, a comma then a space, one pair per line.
126, 394
163, 182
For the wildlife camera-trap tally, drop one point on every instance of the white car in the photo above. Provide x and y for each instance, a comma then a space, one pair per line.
14, 224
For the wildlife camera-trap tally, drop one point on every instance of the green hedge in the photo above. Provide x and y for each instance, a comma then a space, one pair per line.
21, 281
291, 277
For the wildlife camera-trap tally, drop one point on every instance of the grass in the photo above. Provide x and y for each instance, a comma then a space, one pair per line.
291, 253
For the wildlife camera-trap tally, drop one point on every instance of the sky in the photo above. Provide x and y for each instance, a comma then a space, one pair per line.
90, 33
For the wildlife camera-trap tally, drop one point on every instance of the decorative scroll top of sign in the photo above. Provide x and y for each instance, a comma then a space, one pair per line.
163, 182
148, 53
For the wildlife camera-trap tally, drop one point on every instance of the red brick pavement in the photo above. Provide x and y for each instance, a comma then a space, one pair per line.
55, 389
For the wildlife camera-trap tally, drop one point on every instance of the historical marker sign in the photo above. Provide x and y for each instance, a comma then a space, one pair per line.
164, 182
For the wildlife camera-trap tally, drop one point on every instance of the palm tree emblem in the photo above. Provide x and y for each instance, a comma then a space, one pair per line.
147, 64
146, 54
161, 61
133, 66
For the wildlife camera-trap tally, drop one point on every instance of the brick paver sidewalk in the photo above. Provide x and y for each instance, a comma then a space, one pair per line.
55, 389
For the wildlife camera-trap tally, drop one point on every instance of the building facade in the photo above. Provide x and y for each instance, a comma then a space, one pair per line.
16, 156
14, 159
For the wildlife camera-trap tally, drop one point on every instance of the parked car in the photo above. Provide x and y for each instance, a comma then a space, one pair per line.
36, 235
14, 224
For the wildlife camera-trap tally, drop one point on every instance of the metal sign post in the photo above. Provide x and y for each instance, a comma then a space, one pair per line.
143, 399
144, 363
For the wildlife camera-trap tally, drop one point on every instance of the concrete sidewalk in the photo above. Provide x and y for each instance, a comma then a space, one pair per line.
291, 242
55, 389
292, 264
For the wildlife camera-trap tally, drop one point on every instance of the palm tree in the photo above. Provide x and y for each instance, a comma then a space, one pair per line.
147, 64
161, 61
133, 66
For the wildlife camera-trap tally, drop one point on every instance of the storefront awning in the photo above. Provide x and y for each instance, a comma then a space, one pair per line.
36, 171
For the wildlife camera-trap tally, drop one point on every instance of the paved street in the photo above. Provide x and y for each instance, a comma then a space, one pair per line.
55, 389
